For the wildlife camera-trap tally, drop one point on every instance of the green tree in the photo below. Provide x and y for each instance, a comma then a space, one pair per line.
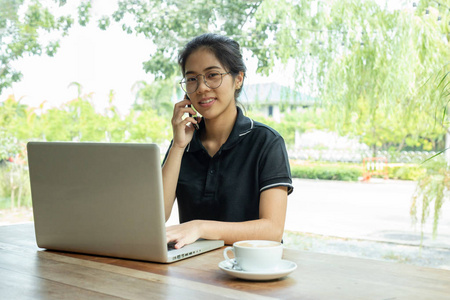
156, 95
170, 24
355, 54
14, 127
432, 188
148, 127
369, 66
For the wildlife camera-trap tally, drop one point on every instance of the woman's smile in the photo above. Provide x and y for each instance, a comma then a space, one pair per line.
207, 101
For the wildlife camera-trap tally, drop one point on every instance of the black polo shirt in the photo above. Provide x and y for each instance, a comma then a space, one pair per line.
227, 187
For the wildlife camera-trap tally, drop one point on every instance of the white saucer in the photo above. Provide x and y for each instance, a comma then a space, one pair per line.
284, 268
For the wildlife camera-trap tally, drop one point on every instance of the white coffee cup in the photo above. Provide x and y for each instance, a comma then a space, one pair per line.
255, 255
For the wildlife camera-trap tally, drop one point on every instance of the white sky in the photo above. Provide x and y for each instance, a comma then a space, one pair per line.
100, 61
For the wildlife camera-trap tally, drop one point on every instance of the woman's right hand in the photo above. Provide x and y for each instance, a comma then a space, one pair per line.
182, 133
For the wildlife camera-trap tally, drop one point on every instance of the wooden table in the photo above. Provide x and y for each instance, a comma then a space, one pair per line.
27, 272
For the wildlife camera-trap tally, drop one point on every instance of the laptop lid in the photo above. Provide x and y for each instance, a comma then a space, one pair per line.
101, 198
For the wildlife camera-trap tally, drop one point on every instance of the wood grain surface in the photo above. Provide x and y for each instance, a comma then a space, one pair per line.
28, 272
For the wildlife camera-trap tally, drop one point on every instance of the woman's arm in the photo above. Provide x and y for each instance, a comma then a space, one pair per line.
269, 226
182, 135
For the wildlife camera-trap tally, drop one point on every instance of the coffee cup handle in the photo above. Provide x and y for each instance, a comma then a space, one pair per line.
225, 254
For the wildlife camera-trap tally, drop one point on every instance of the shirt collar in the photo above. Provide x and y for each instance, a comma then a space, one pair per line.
242, 126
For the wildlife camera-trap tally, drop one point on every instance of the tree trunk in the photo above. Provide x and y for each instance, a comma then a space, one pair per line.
400, 147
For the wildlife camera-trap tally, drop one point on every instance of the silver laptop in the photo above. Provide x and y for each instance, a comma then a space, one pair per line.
103, 199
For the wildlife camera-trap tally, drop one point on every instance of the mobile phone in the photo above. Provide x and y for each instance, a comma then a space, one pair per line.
190, 115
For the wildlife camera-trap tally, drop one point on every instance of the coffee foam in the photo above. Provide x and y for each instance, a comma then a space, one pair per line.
263, 244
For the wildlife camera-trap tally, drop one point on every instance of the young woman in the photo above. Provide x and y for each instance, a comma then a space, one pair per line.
231, 177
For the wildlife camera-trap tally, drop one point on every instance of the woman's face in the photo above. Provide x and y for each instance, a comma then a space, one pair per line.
211, 103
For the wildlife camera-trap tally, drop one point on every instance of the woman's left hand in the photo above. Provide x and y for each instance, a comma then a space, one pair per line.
183, 234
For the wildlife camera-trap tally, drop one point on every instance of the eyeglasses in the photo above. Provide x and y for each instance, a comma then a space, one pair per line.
212, 80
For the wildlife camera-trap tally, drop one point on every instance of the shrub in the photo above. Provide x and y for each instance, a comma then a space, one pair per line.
406, 172
14, 186
328, 172
352, 172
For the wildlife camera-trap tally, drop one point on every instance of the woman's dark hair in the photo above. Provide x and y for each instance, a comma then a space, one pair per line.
226, 50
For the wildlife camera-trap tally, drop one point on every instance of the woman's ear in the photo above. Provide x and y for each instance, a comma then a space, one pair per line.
239, 80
